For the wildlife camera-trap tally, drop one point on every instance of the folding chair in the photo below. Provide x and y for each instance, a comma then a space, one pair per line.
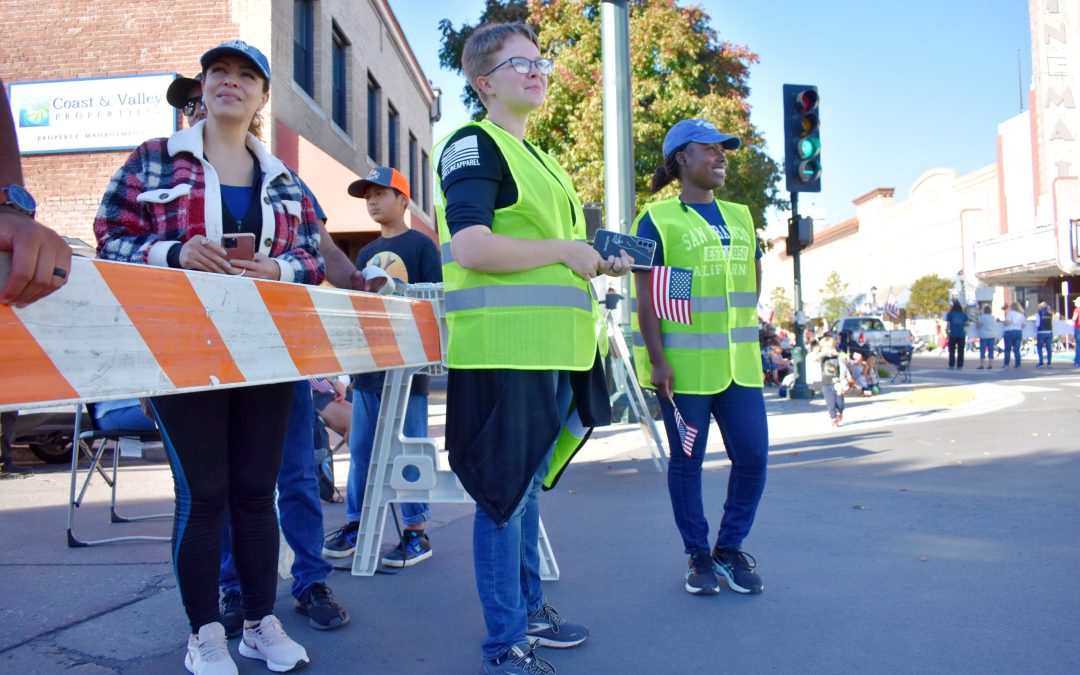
901, 361
83, 443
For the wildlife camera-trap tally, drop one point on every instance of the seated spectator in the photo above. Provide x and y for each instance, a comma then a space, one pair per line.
332, 404
871, 383
123, 414
780, 366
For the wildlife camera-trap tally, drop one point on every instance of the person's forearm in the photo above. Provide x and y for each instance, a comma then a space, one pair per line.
648, 324
478, 248
339, 269
10, 166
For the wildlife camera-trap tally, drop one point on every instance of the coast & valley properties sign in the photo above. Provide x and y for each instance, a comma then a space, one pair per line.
101, 113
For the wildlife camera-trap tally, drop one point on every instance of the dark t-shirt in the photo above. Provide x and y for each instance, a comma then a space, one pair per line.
1045, 320
412, 258
957, 323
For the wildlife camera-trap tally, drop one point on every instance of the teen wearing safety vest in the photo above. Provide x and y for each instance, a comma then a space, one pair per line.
523, 331
713, 365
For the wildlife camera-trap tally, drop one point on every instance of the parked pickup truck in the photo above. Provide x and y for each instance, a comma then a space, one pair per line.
868, 332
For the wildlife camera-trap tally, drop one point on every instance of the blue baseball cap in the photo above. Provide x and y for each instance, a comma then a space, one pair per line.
238, 48
697, 131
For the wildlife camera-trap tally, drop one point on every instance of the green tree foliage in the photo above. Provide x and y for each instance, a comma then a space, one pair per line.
929, 297
783, 310
834, 297
679, 68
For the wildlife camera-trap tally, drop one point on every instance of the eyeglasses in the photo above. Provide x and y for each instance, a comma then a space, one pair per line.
522, 65
191, 105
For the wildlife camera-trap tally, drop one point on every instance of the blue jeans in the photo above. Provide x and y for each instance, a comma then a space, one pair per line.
365, 415
299, 508
1012, 345
740, 414
507, 559
1045, 339
1076, 341
986, 349
126, 418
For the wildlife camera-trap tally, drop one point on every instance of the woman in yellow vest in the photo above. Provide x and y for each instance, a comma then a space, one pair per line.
522, 334
711, 366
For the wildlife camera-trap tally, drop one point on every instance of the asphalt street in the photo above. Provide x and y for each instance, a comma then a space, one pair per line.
935, 532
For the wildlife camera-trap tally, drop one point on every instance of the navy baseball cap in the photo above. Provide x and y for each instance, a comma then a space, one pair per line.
238, 48
697, 131
180, 90
384, 176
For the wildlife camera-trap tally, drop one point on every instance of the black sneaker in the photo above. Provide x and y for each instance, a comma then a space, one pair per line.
520, 660
737, 567
341, 543
232, 614
414, 547
318, 605
700, 577
548, 629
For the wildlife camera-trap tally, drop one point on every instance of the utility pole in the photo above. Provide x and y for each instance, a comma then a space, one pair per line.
798, 354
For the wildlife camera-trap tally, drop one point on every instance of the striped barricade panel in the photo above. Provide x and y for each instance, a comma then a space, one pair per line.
118, 330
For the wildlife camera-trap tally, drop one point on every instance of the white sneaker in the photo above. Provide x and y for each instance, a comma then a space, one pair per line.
268, 642
208, 652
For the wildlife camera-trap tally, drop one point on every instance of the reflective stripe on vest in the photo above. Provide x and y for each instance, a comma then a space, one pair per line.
721, 343
517, 296
447, 253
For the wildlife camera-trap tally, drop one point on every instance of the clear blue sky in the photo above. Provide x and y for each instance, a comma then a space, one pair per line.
905, 86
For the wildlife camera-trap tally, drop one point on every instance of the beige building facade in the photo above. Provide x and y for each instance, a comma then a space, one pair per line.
1009, 231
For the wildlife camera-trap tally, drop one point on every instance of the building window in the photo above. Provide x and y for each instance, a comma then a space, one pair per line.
412, 169
393, 132
374, 91
304, 45
339, 59
425, 180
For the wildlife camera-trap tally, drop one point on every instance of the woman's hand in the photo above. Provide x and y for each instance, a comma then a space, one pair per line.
199, 253
582, 259
617, 267
663, 378
261, 267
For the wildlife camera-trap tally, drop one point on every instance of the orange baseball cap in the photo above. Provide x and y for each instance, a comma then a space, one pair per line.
384, 176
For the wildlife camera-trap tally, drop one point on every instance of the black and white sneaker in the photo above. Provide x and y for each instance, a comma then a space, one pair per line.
414, 547
700, 575
520, 660
737, 567
318, 605
548, 629
341, 543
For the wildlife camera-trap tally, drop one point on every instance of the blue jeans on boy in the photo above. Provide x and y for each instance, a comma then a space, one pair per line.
365, 415
1076, 341
1012, 346
1045, 338
740, 413
507, 559
299, 508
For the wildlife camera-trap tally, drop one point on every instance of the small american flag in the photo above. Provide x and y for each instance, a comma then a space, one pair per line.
671, 293
687, 432
322, 385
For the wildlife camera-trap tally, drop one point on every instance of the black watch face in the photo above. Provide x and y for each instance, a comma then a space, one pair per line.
21, 198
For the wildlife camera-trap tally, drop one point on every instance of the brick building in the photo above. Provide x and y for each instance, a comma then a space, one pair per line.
347, 92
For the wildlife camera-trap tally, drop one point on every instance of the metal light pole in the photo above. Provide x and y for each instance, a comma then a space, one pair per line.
618, 134
798, 354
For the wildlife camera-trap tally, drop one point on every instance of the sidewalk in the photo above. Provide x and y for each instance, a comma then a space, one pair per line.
840, 596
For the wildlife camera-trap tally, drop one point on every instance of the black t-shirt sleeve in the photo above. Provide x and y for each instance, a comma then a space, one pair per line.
472, 172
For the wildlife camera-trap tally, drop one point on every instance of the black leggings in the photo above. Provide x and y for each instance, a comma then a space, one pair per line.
225, 450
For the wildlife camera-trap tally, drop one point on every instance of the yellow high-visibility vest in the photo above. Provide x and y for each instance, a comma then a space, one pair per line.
721, 343
540, 319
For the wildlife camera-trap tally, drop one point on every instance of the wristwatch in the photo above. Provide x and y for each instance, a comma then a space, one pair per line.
18, 198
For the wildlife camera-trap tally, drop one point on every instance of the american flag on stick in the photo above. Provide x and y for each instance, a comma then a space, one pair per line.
671, 293
687, 432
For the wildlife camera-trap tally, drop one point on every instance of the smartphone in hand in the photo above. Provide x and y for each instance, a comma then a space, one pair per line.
609, 243
239, 246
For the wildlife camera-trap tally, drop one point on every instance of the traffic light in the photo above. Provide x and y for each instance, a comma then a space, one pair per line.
802, 138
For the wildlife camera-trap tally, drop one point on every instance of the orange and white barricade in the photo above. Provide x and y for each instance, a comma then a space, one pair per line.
118, 330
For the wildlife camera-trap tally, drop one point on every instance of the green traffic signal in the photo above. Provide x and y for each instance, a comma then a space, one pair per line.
809, 147
802, 136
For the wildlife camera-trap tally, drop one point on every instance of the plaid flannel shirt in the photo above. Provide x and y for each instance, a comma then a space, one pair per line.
164, 195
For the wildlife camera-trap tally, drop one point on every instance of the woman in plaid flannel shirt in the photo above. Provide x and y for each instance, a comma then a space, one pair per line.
169, 205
